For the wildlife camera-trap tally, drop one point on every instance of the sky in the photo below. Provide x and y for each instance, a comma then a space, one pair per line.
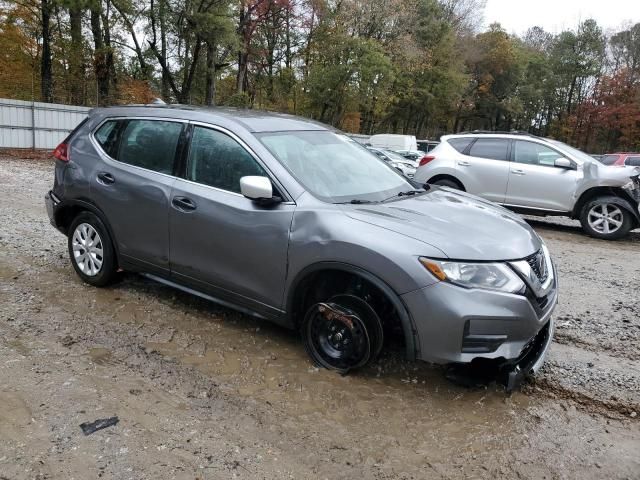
516, 16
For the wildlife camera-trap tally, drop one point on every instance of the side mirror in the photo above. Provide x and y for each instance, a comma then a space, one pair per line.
258, 189
564, 163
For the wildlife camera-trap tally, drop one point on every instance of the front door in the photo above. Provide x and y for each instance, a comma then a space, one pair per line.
221, 241
535, 182
132, 182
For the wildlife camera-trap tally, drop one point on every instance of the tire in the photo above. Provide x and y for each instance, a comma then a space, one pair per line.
342, 334
87, 234
603, 218
447, 183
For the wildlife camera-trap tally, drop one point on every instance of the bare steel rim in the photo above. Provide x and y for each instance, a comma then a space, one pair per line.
605, 218
87, 249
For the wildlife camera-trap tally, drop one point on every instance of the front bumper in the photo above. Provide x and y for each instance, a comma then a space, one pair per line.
458, 325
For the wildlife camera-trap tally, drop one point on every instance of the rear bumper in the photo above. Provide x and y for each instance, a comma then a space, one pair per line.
457, 325
52, 204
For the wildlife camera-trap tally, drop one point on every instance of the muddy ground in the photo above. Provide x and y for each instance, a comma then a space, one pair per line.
204, 392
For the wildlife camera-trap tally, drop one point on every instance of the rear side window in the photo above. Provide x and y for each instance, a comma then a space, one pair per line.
106, 136
149, 144
217, 160
609, 159
492, 148
460, 144
633, 161
534, 154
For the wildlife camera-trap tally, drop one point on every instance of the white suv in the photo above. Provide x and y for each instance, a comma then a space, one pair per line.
537, 176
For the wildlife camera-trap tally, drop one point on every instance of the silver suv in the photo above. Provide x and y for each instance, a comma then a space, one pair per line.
537, 176
293, 222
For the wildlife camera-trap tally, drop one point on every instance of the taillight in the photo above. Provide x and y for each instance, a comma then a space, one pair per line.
426, 159
62, 152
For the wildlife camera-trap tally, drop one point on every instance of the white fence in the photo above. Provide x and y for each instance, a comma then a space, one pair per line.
37, 124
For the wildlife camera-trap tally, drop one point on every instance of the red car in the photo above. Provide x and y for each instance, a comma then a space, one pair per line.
621, 158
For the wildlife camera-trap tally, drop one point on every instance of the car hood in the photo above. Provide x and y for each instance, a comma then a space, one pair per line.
462, 226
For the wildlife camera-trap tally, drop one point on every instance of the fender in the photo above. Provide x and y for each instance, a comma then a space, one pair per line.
621, 202
87, 205
405, 318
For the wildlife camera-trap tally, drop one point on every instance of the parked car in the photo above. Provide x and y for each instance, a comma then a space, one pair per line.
393, 142
537, 176
291, 221
415, 156
397, 161
621, 158
427, 145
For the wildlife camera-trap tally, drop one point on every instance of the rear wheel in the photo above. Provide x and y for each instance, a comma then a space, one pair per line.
91, 250
342, 333
603, 218
447, 183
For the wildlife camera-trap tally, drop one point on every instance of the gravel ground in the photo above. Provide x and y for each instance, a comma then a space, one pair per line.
205, 392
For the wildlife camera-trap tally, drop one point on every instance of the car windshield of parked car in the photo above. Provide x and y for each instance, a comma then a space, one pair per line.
609, 159
333, 167
396, 157
573, 151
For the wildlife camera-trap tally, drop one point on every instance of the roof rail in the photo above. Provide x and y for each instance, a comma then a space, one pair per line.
501, 132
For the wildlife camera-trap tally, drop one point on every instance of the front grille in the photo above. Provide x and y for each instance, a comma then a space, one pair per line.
538, 265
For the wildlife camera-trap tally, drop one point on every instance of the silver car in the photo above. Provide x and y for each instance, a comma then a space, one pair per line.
291, 221
538, 176
397, 161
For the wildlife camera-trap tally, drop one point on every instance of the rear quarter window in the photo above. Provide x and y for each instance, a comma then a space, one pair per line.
460, 144
106, 136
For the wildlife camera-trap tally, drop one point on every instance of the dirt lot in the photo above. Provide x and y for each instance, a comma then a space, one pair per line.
204, 392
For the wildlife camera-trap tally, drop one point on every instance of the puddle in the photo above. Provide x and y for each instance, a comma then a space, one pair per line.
101, 356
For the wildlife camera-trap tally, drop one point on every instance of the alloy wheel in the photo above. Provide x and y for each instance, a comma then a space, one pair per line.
87, 249
605, 218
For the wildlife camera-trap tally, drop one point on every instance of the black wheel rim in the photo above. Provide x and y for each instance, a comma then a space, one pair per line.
336, 337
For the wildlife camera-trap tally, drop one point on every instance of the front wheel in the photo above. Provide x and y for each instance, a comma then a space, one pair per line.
342, 334
604, 218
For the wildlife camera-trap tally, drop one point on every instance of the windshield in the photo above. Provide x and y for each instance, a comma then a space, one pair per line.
573, 151
609, 159
333, 167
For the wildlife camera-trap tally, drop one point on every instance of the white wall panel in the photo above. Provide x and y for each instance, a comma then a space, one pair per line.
48, 123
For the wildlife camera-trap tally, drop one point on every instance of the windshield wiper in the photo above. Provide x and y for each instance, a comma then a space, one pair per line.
356, 201
406, 193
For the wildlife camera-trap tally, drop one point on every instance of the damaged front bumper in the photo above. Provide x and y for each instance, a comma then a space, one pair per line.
512, 374
633, 190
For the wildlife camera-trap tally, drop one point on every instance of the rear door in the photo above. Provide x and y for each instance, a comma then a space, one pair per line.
535, 182
222, 242
132, 183
484, 168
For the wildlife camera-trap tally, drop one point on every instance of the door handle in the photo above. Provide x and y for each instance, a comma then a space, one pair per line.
462, 163
106, 178
183, 203
518, 172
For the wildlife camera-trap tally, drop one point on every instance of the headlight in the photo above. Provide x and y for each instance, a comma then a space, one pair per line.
490, 276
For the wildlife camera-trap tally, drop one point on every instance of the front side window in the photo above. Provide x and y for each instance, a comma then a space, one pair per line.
534, 154
633, 161
217, 160
150, 144
333, 167
491, 148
